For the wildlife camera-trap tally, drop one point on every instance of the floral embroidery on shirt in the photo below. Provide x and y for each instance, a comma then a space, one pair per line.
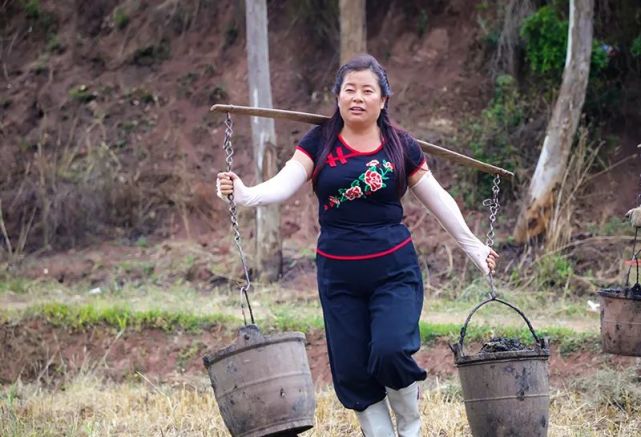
373, 179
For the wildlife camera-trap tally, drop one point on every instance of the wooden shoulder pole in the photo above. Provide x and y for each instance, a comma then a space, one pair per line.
307, 117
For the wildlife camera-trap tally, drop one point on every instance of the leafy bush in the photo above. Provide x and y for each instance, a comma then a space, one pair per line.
32, 8
490, 136
546, 37
82, 94
546, 40
635, 49
121, 19
152, 54
553, 271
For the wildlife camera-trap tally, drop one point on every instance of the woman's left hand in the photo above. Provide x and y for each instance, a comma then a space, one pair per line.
491, 260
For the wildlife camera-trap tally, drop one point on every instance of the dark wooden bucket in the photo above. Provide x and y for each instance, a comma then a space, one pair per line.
263, 384
505, 393
621, 320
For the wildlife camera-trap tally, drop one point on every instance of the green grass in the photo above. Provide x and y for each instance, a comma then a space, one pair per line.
15, 285
287, 321
120, 17
567, 340
82, 94
85, 316
122, 317
138, 294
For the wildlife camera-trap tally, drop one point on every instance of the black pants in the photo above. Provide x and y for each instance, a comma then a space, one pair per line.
371, 310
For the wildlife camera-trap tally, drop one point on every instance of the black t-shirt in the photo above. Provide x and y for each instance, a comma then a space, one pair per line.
360, 208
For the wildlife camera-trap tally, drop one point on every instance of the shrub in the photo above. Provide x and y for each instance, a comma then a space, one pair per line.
121, 19
546, 39
553, 271
489, 138
82, 94
635, 49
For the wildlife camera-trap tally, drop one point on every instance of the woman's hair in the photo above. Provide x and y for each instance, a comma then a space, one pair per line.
391, 135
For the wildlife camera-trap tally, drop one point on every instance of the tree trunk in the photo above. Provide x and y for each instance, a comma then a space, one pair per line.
268, 242
535, 212
352, 28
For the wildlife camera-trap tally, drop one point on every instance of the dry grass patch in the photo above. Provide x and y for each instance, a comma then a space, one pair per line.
88, 405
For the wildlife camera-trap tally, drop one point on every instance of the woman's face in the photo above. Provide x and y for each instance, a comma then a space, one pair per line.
360, 101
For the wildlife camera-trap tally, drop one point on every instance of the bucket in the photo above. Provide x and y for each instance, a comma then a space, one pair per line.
262, 384
505, 393
621, 320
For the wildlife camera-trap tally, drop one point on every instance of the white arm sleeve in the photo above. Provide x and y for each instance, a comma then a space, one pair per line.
444, 208
277, 189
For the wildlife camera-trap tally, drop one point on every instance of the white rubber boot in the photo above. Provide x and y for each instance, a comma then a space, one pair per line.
404, 403
375, 420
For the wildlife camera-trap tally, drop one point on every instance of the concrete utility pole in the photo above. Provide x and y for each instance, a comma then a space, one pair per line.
353, 28
268, 241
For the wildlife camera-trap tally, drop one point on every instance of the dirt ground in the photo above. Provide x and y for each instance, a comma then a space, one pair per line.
148, 90
36, 350
83, 91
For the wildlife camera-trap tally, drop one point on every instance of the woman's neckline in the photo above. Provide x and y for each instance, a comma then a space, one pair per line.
360, 152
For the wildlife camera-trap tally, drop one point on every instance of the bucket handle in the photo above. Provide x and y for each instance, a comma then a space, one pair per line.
539, 342
635, 257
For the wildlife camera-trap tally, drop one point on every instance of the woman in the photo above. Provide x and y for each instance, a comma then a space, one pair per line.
369, 280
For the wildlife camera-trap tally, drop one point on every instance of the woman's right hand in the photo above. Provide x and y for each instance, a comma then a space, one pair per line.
225, 182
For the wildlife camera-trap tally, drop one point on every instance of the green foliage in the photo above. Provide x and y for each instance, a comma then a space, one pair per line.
82, 317
599, 57
121, 19
139, 95
553, 271
82, 94
32, 8
231, 35
121, 317
321, 18
489, 138
152, 54
289, 320
635, 49
574, 343
613, 226
546, 40
15, 285
189, 352
142, 268
546, 36
421, 22
53, 44
566, 339
218, 94
41, 20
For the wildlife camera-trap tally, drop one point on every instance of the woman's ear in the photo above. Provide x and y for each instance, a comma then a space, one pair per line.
383, 102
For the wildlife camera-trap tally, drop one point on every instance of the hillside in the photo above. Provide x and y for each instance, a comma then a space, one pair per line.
106, 132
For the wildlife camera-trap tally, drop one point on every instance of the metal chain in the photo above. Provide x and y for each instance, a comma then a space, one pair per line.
229, 152
639, 195
493, 205
635, 253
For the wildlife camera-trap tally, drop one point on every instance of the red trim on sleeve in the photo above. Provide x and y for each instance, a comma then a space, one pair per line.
368, 256
305, 152
420, 165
